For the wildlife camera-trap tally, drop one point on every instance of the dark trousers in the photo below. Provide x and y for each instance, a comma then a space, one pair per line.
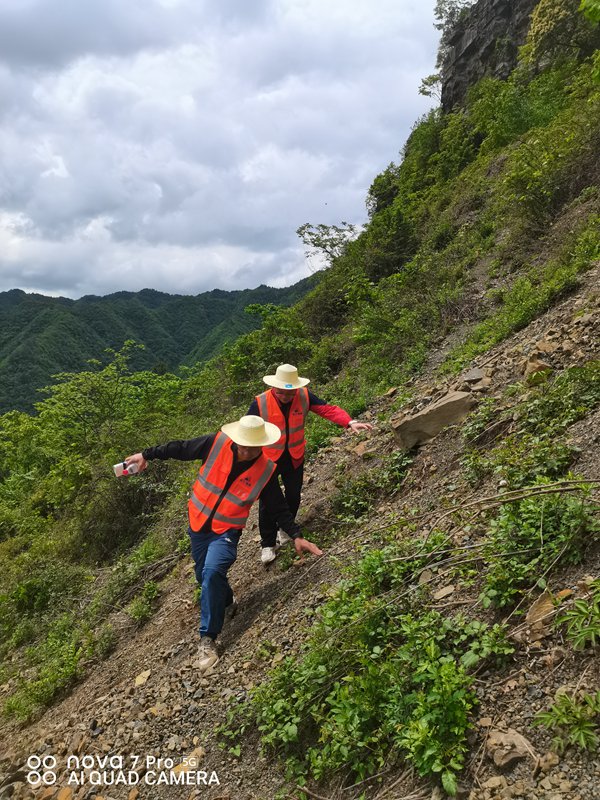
292, 479
213, 554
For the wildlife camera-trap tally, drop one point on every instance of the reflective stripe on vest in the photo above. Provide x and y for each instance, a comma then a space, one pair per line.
231, 508
270, 410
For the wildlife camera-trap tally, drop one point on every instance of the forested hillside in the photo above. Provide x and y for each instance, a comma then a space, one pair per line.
447, 642
41, 336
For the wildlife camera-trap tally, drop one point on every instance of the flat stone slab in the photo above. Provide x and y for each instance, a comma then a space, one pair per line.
414, 429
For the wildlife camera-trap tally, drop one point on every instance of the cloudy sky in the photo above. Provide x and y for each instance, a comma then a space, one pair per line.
179, 144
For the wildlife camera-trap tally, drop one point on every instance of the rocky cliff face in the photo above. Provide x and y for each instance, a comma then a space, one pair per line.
484, 42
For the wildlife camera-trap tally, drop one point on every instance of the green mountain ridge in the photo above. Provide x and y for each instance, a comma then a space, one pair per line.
41, 336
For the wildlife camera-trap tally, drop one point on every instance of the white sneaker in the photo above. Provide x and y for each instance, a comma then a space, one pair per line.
268, 554
207, 654
283, 538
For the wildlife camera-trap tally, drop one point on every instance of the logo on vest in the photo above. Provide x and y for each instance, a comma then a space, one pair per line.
246, 481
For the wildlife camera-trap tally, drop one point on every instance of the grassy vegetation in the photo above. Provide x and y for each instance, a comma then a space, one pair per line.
530, 295
532, 537
382, 678
533, 443
355, 498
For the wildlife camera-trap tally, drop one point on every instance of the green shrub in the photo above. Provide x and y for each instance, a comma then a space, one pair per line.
582, 621
502, 111
520, 460
576, 720
381, 678
530, 537
142, 607
105, 641
58, 664
354, 498
535, 449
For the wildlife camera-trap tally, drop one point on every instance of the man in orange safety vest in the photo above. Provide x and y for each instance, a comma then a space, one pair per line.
235, 472
286, 404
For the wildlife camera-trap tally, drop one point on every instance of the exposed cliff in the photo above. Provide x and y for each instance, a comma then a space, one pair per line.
485, 42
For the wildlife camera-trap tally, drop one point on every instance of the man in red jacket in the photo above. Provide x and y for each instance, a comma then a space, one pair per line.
235, 473
286, 405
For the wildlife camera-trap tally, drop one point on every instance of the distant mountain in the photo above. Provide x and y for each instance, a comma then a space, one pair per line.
41, 336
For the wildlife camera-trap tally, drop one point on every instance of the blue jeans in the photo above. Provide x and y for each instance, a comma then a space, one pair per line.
213, 554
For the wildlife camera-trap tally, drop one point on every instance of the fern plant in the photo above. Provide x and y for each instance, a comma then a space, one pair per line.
582, 621
575, 722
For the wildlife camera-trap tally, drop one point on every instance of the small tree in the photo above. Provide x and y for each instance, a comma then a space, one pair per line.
431, 86
328, 241
447, 14
383, 190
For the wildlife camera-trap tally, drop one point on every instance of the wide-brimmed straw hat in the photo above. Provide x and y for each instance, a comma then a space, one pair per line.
252, 431
286, 377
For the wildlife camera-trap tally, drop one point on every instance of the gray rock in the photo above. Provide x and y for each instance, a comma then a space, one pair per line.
485, 41
411, 430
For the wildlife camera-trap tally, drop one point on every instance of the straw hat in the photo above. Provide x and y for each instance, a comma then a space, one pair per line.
286, 377
252, 431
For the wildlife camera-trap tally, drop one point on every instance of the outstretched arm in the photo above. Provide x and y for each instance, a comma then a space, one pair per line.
336, 414
180, 449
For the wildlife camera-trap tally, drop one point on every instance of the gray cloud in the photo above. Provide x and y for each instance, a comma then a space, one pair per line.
49, 34
179, 144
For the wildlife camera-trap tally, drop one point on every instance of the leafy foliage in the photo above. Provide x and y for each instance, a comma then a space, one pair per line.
142, 606
354, 498
575, 719
531, 537
582, 621
536, 448
555, 31
591, 9
59, 658
330, 241
380, 675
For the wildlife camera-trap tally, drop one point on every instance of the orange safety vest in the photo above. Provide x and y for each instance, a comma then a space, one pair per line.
233, 506
292, 429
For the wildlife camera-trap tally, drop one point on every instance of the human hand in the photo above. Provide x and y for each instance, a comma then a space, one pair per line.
304, 546
356, 426
138, 459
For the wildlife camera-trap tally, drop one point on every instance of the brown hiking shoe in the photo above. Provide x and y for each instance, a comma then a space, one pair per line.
207, 654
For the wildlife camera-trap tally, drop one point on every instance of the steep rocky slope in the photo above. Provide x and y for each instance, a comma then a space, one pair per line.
147, 699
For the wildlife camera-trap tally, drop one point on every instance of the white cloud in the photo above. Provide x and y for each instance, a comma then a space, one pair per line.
178, 144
